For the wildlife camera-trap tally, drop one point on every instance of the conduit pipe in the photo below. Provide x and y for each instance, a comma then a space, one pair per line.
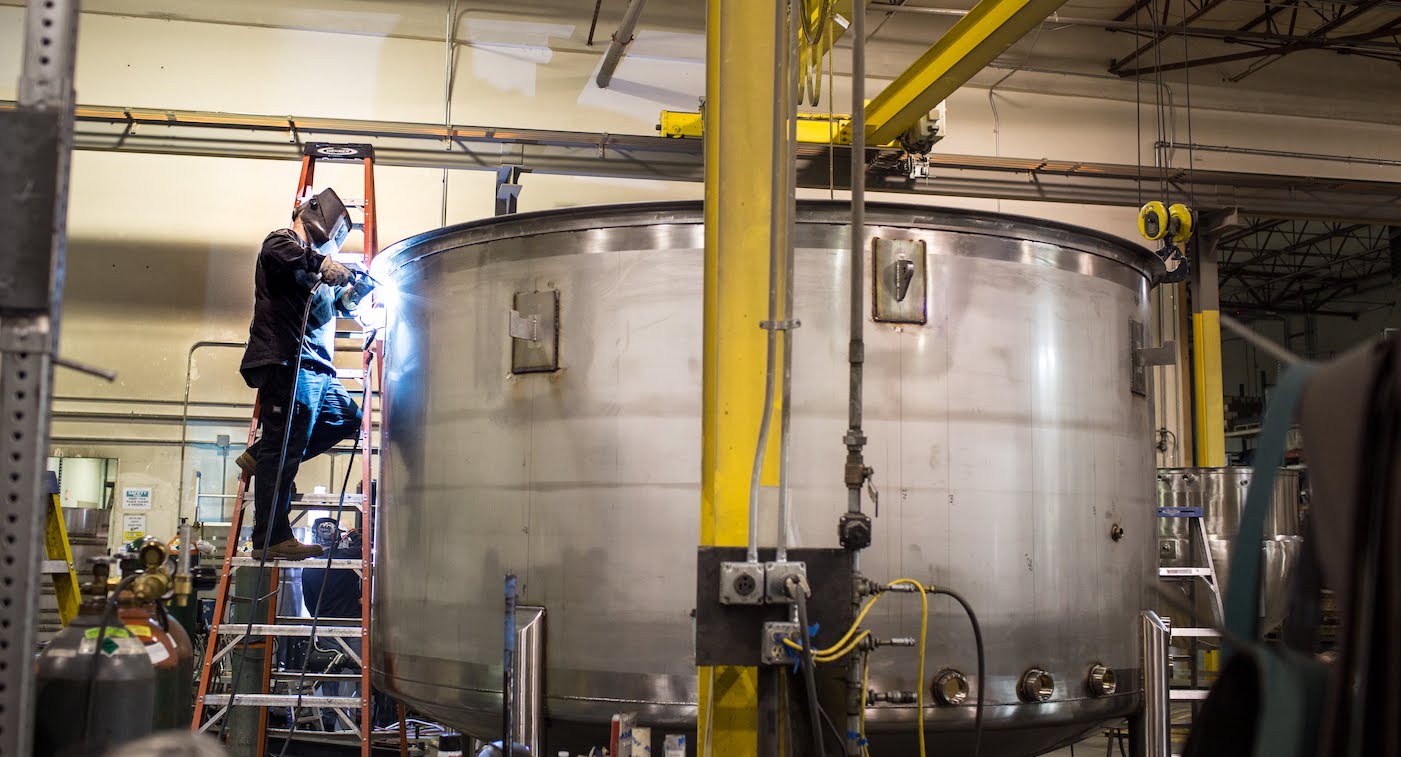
771, 326
621, 39
1194, 147
855, 439
185, 413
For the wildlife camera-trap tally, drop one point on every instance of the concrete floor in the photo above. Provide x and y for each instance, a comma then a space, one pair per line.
1091, 747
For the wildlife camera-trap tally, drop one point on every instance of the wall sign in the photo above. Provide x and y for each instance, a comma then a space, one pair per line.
136, 498
133, 527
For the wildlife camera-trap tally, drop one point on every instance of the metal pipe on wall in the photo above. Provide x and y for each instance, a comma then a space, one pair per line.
621, 39
790, 172
185, 413
448, 34
855, 440
508, 669
1192, 146
771, 322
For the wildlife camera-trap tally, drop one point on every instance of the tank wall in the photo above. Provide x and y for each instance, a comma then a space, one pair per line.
1006, 440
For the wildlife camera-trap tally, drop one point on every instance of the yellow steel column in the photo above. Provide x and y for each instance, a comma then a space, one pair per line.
1211, 414
1209, 397
738, 157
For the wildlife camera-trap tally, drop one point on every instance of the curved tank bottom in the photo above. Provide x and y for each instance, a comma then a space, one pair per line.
578, 723
1221, 492
1009, 432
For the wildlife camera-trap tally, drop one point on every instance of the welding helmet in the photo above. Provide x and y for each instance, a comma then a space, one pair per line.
325, 219
326, 532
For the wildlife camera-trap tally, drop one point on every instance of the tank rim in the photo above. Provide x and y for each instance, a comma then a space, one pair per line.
588, 217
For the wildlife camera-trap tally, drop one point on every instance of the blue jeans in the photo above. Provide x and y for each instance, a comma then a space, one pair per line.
323, 414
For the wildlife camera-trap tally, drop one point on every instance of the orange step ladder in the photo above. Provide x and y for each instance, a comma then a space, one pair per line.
217, 696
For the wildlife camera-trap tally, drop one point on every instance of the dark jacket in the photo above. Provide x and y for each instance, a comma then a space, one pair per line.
342, 587
287, 274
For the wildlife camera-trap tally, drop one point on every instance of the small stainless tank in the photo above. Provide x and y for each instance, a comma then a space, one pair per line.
1220, 493
1008, 425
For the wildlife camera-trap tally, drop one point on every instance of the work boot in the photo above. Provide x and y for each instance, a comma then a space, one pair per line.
246, 461
289, 550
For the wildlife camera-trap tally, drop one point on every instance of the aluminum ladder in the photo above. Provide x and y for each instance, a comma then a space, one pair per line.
213, 709
1206, 574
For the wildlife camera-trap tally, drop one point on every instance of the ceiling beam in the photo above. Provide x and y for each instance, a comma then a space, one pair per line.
968, 47
1342, 18
487, 148
1270, 12
1158, 37
1305, 43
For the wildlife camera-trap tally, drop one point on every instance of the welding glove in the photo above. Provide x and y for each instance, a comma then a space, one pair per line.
360, 285
334, 273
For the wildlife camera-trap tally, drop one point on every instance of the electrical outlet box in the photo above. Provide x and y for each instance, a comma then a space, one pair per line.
776, 575
772, 650
742, 583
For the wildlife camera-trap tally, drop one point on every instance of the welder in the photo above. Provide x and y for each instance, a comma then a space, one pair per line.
299, 289
333, 593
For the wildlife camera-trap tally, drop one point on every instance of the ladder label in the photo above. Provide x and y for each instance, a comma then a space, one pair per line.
1179, 512
1181, 572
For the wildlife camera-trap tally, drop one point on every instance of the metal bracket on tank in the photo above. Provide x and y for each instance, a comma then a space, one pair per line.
899, 281
1144, 357
533, 325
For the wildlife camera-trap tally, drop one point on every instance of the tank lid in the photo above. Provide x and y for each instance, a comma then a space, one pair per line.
688, 212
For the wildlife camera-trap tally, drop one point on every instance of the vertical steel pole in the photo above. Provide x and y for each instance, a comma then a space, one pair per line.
1151, 737
856, 472
508, 670
35, 145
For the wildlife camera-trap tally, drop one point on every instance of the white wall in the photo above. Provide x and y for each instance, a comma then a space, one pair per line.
162, 247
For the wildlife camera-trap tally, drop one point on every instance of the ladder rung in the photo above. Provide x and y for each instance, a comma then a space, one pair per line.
1201, 633
294, 675
310, 562
1187, 695
319, 501
54, 567
284, 700
350, 374
324, 622
1185, 572
327, 737
265, 629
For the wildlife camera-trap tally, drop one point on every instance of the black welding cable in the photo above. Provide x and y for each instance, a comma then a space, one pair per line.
809, 665
277, 495
320, 595
982, 678
108, 616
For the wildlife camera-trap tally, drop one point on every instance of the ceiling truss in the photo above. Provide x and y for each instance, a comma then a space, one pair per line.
1364, 28
1298, 266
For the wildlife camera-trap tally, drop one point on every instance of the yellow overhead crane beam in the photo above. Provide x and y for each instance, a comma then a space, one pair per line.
813, 128
976, 40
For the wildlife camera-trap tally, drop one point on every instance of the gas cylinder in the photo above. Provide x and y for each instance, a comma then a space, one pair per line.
172, 656
185, 666
90, 696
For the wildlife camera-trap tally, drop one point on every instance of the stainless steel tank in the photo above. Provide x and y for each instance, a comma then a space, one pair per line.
1220, 493
1009, 433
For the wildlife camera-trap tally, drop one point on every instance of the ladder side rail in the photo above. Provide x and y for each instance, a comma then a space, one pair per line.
57, 548
370, 235
221, 596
